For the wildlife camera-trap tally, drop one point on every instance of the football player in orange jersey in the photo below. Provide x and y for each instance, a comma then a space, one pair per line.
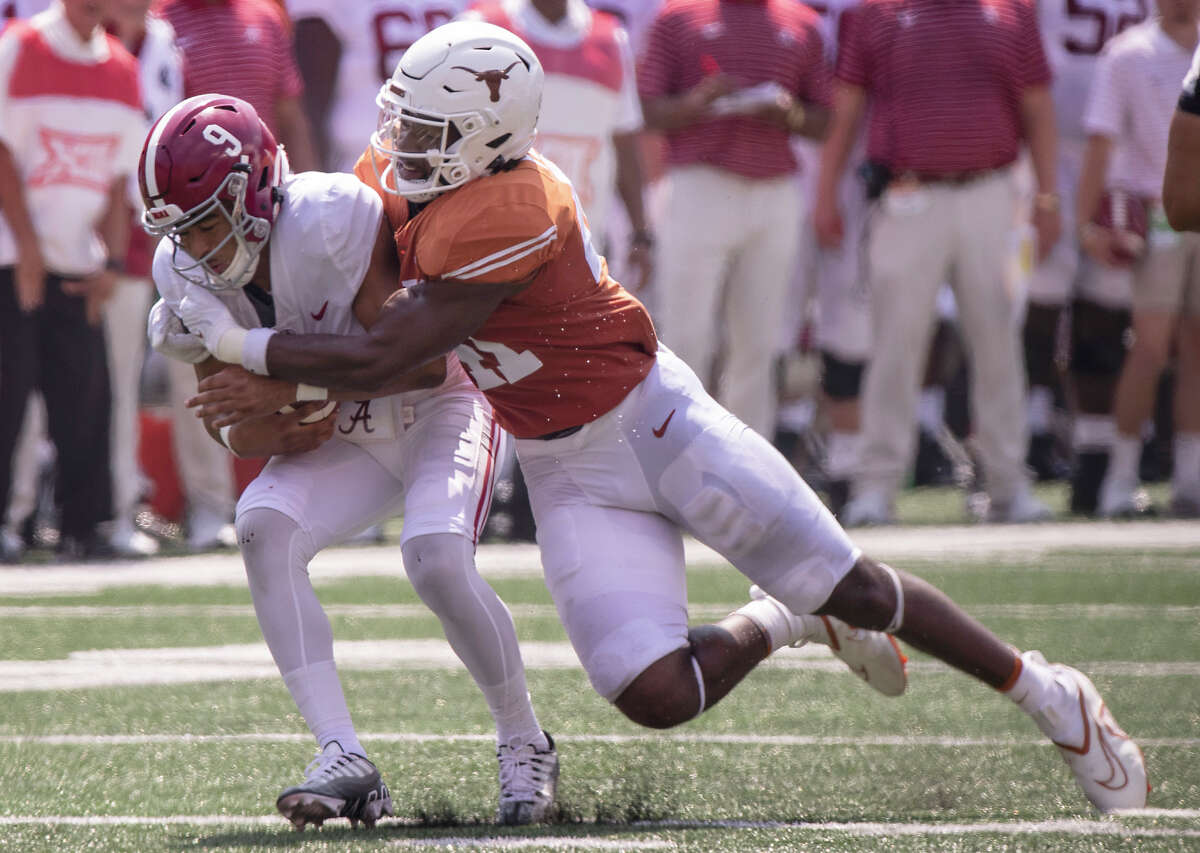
622, 448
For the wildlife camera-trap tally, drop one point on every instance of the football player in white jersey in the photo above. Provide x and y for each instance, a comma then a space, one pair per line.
313, 252
346, 49
1073, 34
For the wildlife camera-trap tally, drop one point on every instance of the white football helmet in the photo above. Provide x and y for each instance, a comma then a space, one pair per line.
462, 103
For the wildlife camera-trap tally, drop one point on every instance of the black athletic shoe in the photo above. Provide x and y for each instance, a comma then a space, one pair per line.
336, 784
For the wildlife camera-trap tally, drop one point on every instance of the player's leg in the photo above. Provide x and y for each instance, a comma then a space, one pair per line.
756, 303
907, 256
696, 238
1157, 291
738, 495
298, 505
18, 369
844, 340
451, 456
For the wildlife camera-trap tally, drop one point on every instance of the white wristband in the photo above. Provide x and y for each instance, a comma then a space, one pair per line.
247, 347
311, 392
224, 433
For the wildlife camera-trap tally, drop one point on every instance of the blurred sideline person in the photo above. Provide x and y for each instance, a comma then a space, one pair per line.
731, 84
1068, 296
70, 125
622, 447
1128, 119
942, 137
344, 50
160, 74
311, 252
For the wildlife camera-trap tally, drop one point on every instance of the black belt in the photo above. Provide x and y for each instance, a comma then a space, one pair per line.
558, 433
953, 178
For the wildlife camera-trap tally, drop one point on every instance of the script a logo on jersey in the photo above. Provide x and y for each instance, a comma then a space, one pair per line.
491, 77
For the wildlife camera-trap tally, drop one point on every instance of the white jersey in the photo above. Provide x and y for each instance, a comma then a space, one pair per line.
590, 94
1132, 101
320, 249
1073, 34
374, 35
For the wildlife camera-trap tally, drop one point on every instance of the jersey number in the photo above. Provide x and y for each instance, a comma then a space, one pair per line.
491, 364
395, 32
1103, 26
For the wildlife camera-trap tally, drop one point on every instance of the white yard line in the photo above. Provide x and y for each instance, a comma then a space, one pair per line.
175, 665
1035, 612
1075, 827
607, 739
1025, 542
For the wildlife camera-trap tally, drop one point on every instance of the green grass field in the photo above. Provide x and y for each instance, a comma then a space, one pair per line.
802, 756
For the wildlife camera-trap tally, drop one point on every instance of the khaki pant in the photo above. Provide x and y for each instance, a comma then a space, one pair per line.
727, 251
917, 238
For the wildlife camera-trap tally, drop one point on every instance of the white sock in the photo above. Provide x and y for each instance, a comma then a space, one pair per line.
1093, 433
779, 625
842, 454
931, 409
317, 691
511, 708
1040, 407
1185, 476
1124, 458
1039, 693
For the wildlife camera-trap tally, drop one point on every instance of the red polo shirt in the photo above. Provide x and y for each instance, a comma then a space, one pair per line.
944, 79
236, 47
753, 41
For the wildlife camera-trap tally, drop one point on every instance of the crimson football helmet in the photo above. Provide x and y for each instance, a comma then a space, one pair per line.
463, 102
212, 154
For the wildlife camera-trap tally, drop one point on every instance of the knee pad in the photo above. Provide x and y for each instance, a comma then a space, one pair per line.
1097, 339
1040, 338
841, 380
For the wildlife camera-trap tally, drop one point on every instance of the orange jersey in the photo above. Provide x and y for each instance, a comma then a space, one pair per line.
568, 347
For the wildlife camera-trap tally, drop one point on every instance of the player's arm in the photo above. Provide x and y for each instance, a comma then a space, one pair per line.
271, 434
1181, 189
416, 325
319, 55
31, 270
1095, 241
1041, 135
849, 106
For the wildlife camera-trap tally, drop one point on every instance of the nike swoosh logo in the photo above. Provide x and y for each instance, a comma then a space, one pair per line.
1118, 778
321, 313
658, 433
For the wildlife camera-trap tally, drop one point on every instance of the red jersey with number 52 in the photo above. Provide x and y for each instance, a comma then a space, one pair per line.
568, 347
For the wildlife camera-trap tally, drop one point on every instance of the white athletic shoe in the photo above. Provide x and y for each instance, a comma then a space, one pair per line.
1107, 764
873, 656
528, 782
868, 509
1023, 508
336, 784
1119, 498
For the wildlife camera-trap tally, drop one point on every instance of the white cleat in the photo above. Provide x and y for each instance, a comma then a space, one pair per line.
873, 656
528, 782
1023, 508
1107, 764
336, 784
868, 509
